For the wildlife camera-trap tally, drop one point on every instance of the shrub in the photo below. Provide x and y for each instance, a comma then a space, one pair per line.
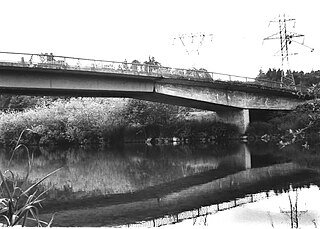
95, 120
260, 128
72, 121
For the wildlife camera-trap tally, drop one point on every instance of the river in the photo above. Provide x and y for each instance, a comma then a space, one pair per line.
172, 185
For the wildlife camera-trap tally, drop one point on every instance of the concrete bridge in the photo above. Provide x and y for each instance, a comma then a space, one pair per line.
231, 97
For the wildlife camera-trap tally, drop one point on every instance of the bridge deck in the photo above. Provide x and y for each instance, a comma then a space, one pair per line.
49, 61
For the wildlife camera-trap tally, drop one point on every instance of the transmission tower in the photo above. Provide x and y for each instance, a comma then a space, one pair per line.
286, 38
193, 42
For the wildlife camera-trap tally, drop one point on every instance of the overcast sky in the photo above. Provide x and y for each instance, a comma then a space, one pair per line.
134, 29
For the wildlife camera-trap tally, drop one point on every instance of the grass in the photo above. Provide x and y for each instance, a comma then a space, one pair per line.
19, 203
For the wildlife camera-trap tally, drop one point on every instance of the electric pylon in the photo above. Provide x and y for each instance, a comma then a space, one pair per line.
193, 42
286, 38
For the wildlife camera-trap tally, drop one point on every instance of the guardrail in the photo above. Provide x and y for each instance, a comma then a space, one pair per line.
50, 61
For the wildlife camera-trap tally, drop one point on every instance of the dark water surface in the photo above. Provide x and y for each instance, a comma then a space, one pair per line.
161, 185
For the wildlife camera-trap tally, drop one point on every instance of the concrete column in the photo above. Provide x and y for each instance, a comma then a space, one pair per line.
240, 118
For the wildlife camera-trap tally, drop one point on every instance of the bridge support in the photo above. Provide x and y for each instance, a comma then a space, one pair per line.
240, 118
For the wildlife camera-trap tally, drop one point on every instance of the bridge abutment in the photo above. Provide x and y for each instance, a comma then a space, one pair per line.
240, 118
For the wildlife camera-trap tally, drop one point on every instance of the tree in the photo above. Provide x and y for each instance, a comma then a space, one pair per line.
22, 102
143, 113
309, 79
271, 75
301, 78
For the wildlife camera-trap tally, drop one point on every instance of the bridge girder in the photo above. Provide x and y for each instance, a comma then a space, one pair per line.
222, 97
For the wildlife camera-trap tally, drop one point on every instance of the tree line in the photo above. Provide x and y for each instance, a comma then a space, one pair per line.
307, 79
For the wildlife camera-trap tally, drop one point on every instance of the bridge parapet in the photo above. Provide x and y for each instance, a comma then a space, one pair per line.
50, 61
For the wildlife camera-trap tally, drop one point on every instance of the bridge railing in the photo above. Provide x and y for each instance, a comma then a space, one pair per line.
204, 211
50, 61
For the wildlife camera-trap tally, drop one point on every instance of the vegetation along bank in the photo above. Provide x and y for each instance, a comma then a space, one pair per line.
300, 127
63, 121
70, 121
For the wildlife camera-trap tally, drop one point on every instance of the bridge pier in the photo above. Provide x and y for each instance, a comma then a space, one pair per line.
240, 118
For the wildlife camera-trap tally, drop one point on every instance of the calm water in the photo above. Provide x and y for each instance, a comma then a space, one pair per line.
140, 185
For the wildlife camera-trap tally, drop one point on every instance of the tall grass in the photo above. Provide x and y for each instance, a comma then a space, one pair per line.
18, 202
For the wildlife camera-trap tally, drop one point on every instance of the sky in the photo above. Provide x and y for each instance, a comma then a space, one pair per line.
266, 213
119, 30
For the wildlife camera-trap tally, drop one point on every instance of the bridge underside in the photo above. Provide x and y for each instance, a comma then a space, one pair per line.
231, 101
237, 116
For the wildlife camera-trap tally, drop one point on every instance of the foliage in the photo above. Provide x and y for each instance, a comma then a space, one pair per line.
301, 78
292, 120
308, 79
260, 128
142, 113
314, 90
194, 130
163, 120
82, 120
271, 74
87, 120
99, 120
19, 203
301, 125
22, 102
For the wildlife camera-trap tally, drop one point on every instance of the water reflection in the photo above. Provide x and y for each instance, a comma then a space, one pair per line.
88, 172
295, 208
99, 187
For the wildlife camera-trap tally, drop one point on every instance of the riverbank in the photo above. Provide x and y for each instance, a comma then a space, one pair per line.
81, 121
300, 127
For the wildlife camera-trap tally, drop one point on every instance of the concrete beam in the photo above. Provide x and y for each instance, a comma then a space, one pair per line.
229, 98
207, 95
62, 81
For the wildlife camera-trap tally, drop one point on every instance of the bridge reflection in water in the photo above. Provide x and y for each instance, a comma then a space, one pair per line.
295, 207
155, 183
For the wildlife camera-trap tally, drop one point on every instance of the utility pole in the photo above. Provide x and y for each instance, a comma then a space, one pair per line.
286, 38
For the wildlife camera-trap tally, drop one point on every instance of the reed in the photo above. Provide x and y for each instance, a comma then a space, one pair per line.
19, 203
